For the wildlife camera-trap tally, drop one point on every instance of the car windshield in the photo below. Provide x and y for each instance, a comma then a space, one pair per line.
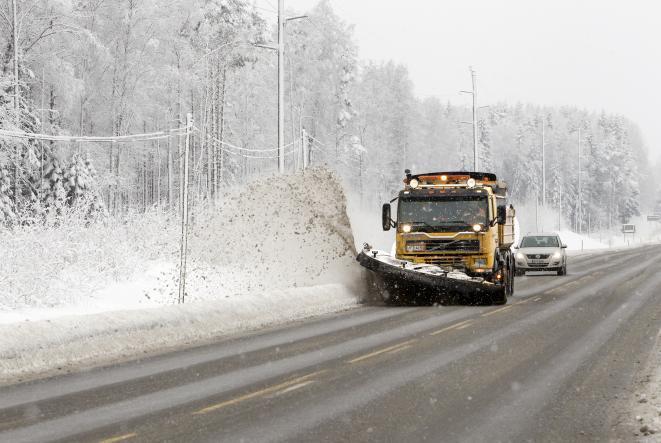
445, 212
540, 241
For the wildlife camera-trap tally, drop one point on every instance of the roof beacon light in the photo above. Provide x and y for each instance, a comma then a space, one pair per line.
444, 178
470, 183
414, 183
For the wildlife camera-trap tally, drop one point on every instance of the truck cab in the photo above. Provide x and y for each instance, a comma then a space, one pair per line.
456, 220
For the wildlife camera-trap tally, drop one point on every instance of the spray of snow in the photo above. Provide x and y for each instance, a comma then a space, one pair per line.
275, 250
277, 233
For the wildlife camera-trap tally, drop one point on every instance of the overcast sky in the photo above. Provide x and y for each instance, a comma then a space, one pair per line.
595, 54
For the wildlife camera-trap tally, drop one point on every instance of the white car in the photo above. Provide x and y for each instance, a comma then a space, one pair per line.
541, 252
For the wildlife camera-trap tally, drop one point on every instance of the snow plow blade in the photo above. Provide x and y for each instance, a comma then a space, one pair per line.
404, 281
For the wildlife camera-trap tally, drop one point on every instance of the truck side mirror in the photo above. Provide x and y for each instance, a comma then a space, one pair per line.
386, 220
502, 215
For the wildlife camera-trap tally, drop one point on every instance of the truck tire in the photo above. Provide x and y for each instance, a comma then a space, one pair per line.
511, 270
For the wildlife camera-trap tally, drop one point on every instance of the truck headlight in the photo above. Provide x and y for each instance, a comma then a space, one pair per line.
406, 228
477, 227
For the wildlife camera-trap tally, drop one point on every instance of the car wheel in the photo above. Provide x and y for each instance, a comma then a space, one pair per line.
563, 270
520, 273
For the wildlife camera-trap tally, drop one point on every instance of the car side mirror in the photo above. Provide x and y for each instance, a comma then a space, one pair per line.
502, 215
564, 246
386, 219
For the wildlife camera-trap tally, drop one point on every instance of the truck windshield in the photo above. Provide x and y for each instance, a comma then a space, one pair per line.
447, 213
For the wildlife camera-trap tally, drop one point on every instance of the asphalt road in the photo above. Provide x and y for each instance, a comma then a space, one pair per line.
557, 363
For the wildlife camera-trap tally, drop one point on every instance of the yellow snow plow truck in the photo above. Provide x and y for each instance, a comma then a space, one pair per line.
453, 236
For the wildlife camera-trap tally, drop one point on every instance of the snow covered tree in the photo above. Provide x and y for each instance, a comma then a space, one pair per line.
7, 213
484, 146
53, 191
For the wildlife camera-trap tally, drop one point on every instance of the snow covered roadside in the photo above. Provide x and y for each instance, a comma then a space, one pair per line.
276, 250
65, 343
647, 406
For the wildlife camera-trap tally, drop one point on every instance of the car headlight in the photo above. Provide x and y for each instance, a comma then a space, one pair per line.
520, 256
557, 255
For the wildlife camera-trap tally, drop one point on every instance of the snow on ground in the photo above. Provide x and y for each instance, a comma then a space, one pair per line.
64, 343
275, 250
647, 407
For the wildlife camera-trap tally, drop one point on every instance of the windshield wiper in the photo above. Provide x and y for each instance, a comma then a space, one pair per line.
418, 223
456, 222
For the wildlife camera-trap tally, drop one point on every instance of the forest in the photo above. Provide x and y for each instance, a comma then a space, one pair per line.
102, 68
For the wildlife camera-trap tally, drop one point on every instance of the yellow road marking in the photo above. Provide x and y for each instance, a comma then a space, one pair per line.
399, 349
449, 328
381, 351
10, 423
522, 301
503, 309
463, 326
119, 438
293, 388
259, 393
537, 299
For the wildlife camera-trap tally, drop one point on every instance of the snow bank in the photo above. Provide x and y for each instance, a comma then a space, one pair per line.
275, 250
59, 344
578, 242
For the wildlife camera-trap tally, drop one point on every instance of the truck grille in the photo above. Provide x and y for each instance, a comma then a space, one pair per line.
444, 261
451, 245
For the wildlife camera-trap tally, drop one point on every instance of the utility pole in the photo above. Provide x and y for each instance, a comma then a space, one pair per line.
183, 252
304, 147
476, 162
17, 110
281, 86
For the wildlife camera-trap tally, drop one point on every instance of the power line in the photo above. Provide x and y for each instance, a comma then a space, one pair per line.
239, 154
94, 139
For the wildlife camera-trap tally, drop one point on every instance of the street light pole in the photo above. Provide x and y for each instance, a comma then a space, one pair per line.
476, 161
543, 166
580, 203
475, 153
17, 109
